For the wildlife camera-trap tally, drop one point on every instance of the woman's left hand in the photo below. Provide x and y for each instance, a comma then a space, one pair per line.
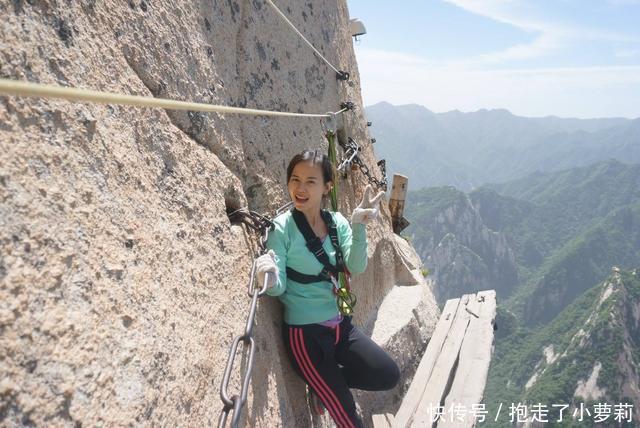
266, 264
368, 208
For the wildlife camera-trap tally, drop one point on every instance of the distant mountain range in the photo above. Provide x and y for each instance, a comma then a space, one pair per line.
589, 354
568, 321
546, 211
467, 150
542, 241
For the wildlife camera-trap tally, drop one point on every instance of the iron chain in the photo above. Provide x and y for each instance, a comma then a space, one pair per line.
351, 160
261, 225
351, 150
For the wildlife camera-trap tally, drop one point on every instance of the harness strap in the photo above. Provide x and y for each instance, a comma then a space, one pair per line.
307, 279
314, 244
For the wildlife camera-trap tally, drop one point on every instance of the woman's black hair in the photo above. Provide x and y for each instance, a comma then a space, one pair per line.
316, 158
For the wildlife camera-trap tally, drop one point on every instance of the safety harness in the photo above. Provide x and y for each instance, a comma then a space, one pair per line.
338, 275
314, 244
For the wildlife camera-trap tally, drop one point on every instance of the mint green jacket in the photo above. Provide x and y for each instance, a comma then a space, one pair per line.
314, 302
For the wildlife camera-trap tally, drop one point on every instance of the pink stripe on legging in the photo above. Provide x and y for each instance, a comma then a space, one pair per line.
328, 396
313, 381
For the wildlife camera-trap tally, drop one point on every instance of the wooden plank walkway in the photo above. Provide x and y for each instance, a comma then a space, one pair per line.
453, 371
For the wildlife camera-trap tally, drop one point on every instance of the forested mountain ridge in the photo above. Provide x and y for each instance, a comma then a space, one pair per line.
543, 240
452, 240
590, 353
467, 150
543, 251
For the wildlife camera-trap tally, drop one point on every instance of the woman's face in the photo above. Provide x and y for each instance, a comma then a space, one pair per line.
306, 187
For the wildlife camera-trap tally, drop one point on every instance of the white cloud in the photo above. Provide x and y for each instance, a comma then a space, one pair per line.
552, 35
512, 12
564, 91
492, 81
539, 47
627, 53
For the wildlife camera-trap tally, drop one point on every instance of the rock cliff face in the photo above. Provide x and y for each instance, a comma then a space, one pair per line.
122, 280
595, 361
612, 240
463, 254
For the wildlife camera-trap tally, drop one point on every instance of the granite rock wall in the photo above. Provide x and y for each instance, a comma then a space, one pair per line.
122, 279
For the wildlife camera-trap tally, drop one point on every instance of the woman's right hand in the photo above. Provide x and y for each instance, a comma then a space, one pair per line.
368, 208
266, 263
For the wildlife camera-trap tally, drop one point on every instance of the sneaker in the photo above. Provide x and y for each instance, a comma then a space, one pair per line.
317, 408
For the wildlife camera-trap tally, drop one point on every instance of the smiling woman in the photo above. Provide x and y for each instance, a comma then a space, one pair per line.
303, 269
309, 180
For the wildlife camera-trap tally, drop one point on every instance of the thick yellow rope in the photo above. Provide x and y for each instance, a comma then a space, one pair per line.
27, 89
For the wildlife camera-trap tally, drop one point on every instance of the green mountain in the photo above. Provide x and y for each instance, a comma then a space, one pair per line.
563, 210
452, 240
589, 353
540, 244
466, 150
566, 275
566, 229
554, 235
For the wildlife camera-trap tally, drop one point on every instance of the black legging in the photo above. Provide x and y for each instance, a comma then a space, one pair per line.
333, 360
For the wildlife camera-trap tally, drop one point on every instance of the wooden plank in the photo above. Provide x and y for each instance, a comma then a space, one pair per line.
443, 370
420, 378
380, 421
473, 368
390, 419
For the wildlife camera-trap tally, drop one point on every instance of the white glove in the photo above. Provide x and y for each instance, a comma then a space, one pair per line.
368, 208
266, 263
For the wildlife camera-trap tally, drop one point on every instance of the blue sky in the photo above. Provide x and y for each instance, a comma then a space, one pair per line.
569, 58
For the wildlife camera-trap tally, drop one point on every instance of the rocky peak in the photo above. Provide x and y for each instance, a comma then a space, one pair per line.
456, 245
596, 344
